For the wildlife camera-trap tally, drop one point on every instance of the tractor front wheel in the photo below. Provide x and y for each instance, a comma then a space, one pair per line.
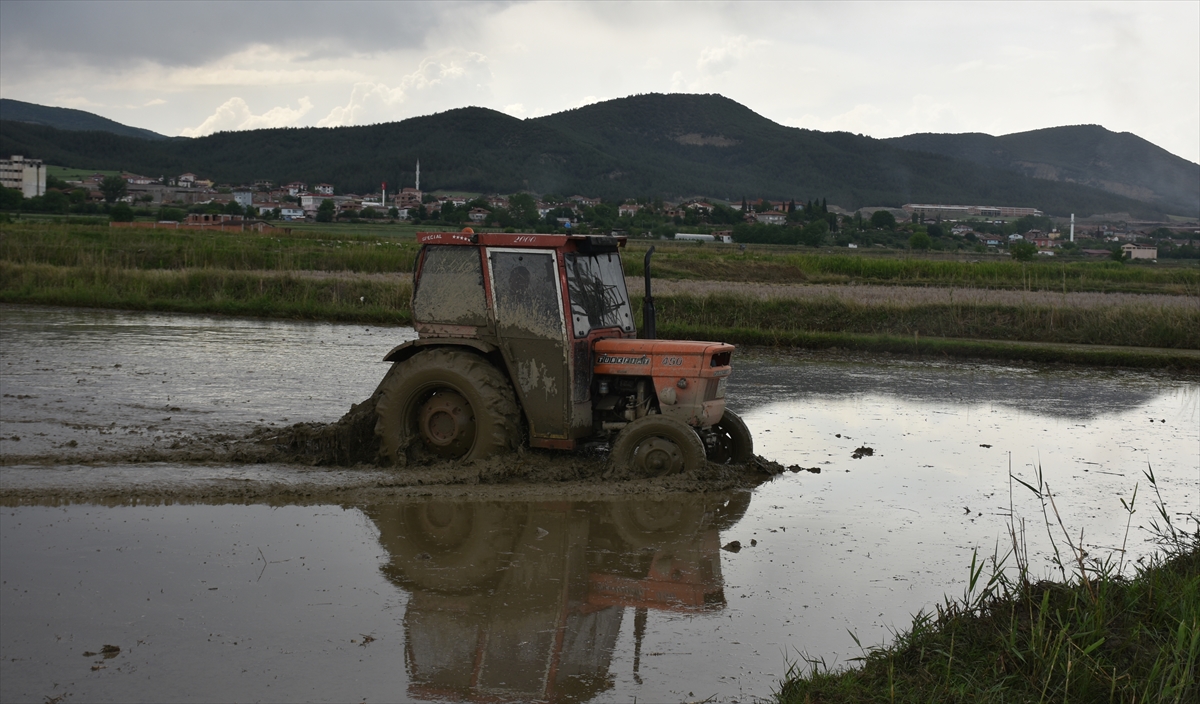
732, 443
655, 446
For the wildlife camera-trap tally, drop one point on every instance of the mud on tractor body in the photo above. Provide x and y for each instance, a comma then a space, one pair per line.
530, 338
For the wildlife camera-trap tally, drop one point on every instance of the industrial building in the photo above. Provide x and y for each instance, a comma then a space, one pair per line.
26, 175
955, 212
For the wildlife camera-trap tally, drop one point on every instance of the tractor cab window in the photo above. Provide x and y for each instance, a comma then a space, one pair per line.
596, 284
450, 288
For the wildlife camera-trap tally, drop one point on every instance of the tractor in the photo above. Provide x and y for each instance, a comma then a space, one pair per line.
530, 338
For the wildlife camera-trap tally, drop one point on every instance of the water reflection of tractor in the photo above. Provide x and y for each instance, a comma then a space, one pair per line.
530, 339
517, 602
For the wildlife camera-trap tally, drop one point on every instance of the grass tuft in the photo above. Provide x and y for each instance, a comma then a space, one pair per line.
1097, 635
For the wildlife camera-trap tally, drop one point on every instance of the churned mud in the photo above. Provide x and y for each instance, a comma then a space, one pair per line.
102, 406
326, 461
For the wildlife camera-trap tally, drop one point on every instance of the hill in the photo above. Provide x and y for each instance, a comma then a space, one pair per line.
1117, 162
68, 119
646, 145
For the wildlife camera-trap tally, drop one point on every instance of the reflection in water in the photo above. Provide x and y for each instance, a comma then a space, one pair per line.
1064, 392
513, 601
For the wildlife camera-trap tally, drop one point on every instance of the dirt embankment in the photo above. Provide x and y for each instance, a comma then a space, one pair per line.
330, 462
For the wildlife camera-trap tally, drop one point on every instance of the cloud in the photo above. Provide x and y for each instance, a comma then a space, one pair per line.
516, 110
436, 82
235, 114
715, 60
196, 33
156, 101
79, 103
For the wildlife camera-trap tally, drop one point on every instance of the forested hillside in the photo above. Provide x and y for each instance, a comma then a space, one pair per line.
1117, 162
68, 119
648, 145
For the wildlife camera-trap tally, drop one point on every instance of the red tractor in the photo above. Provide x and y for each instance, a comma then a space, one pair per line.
531, 338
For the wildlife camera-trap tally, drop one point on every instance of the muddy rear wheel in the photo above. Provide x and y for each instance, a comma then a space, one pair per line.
446, 546
446, 404
733, 443
655, 446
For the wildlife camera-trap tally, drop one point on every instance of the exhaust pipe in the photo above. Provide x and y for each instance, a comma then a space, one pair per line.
648, 332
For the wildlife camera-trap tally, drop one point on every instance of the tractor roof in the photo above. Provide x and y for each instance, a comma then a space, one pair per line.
582, 243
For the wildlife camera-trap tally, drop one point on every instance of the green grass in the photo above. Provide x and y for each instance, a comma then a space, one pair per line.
940, 347
227, 292
67, 173
1098, 634
1127, 325
140, 248
777, 265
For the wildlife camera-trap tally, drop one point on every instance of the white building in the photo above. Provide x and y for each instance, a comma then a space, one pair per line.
25, 175
771, 217
244, 198
1138, 251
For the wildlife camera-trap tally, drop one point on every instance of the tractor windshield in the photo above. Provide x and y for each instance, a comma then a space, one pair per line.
596, 284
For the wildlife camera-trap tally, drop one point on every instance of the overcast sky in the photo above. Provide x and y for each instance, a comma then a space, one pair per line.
881, 69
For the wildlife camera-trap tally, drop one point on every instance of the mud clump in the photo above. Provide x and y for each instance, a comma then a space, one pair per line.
349, 441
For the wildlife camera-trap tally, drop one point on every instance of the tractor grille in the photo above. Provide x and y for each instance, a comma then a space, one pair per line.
715, 389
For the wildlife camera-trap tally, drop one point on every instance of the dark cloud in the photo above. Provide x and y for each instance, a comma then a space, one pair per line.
195, 33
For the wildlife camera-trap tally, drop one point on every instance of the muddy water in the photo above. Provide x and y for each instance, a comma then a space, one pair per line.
494, 592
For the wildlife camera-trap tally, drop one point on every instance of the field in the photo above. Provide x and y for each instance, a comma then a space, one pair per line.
68, 174
765, 295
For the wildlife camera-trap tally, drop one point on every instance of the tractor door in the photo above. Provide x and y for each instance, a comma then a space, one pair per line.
527, 300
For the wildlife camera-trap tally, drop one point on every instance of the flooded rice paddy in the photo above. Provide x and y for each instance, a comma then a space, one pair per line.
569, 592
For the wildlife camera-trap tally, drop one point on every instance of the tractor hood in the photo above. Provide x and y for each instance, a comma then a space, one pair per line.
662, 357
689, 377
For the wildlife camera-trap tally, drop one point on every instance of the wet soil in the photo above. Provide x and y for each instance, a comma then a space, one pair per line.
349, 450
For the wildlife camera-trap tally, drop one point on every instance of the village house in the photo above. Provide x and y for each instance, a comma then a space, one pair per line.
771, 217
408, 198
324, 189
629, 209
295, 188
478, 214
584, 200
1139, 251
187, 180
137, 180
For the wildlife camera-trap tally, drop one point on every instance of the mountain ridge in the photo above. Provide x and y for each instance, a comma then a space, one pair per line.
1117, 162
68, 119
646, 145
